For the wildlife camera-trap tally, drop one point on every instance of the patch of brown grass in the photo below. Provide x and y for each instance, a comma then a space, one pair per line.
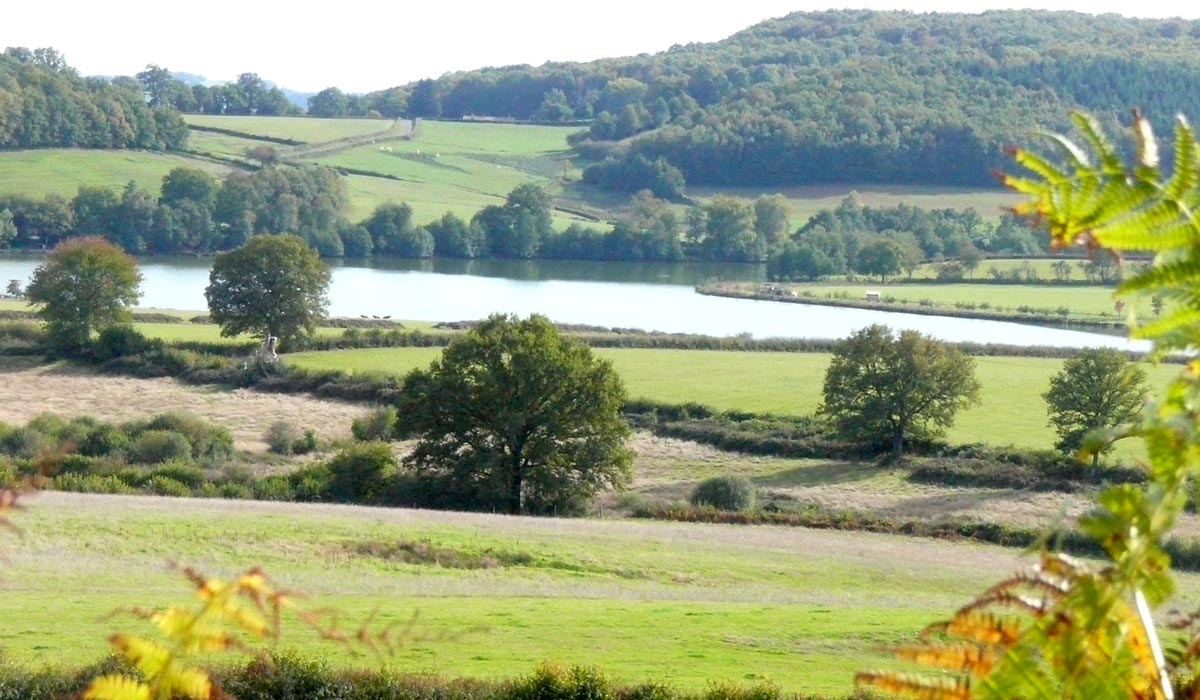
32, 389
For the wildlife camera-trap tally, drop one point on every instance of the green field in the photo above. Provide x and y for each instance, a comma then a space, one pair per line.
803, 608
458, 167
304, 129
1011, 411
1093, 302
808, 200
63, 171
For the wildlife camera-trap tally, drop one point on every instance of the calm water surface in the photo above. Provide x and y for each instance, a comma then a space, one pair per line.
650, 297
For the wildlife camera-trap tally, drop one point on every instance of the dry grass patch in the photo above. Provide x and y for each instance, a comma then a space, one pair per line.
32, 389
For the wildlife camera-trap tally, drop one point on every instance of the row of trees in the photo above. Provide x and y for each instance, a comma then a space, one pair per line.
884, 241
45, 104
249, 94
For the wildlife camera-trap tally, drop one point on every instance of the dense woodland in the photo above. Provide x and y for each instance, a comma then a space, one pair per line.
45, 104
839, 96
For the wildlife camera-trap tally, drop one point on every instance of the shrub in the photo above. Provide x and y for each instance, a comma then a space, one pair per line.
210, 444
90, 483
24, 442
273, 488
235, 491
306, 444
311, 483
359, 473
280, 437
165, 486
553, 682
182, 471
75, 464
379, 424
724, 493
105, 439
118, 341
158, 446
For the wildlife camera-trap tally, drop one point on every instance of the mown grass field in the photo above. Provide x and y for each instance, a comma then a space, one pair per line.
305, 129
1091, 302
808, 200
1011, 411
803, 608
63, 171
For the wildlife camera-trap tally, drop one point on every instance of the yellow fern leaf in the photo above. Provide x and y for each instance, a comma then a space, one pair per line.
974, 659
913, 686
116, 688
984, 627
191, 683
150, 657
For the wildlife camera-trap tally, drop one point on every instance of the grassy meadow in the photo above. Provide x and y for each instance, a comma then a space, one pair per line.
310, 130
802, 608
63, 171
1011, 410
1093, 302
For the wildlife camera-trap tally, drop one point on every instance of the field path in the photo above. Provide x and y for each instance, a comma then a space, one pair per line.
70, 391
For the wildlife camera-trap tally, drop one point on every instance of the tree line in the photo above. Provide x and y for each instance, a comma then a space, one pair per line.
44, 103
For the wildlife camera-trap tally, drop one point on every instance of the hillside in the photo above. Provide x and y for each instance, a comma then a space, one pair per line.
846, 96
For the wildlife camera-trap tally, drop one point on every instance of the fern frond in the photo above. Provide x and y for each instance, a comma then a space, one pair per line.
982, 627
967, 658
116, 688
150, 657
916, 687
191, 683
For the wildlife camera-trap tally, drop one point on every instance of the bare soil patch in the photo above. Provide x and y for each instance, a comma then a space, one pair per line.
31, 389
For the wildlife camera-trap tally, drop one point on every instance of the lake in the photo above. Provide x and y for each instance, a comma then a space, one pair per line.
646, 296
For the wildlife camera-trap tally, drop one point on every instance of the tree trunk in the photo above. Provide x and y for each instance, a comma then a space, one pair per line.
515, 486
897, 444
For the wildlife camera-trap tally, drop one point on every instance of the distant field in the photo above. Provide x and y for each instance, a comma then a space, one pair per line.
807, 201
1011, 410
456, 167
305, 129
63, 171
802, 608
1091, 301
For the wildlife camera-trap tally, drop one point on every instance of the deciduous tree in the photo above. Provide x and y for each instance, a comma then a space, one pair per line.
885, 389
1097, 389
275, 285
84, 285
517, 417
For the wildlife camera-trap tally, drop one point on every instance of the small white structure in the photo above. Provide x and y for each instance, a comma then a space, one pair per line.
873, 295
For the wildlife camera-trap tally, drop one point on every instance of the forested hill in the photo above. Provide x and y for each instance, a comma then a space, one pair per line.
845, 96
45, 104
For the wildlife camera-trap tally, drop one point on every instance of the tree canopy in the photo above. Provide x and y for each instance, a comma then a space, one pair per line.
515, 417
84, 285
1096, 389
275, 285
885, 389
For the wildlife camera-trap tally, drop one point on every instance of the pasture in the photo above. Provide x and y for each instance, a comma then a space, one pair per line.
308, 130
802, 608
807, 200
1091, 302
1011, 410
63, 171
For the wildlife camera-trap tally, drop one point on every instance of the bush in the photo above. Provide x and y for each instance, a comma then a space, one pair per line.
379, 424
158, 446
24, 442
724, 493
183, 472
273, 488
553, 682
311, 484
165, 486
90, 483
281, 437
306, 444
360, 472
210, 444
105, 439
118, 341
235, 491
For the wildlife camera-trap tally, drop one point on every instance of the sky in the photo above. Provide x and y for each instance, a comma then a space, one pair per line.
364, 46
